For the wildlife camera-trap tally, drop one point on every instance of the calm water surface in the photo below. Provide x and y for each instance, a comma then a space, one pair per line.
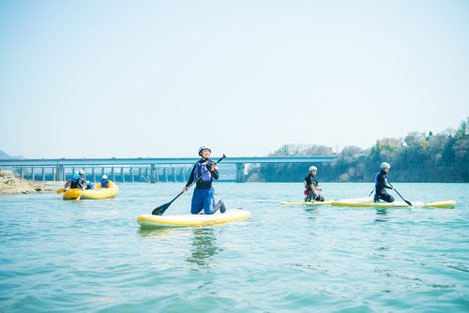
61, 256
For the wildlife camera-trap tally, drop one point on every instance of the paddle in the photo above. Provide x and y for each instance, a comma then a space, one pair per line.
161, 209
371, 193
79, 196
408, 202
60, 190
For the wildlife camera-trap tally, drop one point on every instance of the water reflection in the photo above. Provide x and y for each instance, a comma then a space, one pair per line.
153, 233
382, 215
204, 246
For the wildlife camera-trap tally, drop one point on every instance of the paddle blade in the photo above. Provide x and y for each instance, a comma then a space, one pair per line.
60, 190
160, 210
408, 202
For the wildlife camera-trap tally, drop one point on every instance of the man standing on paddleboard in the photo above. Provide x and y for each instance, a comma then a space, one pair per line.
381, 184
203, 197
311, 185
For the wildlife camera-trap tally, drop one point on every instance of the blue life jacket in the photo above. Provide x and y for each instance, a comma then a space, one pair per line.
200, 169
104, 183
75, 177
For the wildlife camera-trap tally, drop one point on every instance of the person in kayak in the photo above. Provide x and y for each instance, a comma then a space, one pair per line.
77, 180
69, 182
381, 184
104, 182
203, 197
311, 185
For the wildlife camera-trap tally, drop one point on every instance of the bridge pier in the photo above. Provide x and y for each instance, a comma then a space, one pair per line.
43, 174
240, 176
59, 173
153, 174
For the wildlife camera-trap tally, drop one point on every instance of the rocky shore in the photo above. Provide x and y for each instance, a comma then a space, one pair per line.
10, 184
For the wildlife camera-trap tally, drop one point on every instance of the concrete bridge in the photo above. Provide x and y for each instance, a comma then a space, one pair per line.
57, 166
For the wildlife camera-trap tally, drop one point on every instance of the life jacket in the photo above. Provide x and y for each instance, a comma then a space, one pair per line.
200, 169
104, 183
76, 181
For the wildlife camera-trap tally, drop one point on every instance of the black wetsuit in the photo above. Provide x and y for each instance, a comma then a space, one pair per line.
381, 184
310, 194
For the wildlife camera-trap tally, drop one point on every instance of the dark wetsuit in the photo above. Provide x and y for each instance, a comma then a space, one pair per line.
310, 194
381, 184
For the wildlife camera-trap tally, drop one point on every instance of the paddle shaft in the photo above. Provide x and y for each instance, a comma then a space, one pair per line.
161, 209
79, 196
408, 202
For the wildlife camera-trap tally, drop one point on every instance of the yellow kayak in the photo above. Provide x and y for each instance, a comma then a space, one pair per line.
97, 193
192, 219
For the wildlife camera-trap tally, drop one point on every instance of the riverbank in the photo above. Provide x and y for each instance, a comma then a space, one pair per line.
10, 184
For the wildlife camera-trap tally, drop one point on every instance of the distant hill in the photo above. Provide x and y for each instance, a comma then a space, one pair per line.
4, 156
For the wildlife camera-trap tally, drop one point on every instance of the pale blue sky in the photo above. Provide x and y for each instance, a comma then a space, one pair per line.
160, 78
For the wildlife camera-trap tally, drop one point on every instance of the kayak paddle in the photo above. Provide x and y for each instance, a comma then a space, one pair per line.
60, 190
161, 209
79, 196
408, 202
371, 193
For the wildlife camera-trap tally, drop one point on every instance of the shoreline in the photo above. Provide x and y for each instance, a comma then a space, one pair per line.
11, 185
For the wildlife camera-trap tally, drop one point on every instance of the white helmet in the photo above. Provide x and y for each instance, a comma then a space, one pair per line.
313, 168
204, 147
81, 172
385, 165
104, 177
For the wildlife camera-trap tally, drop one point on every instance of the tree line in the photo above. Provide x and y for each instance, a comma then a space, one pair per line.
417, 157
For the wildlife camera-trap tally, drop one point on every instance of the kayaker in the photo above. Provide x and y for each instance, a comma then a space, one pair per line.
104, 182
203, 197
69, 182
78, 181
311, 185
89, 185
381, 184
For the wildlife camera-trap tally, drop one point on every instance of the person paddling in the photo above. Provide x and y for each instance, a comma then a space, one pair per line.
203, 196
311, 185
78, 180
381, 184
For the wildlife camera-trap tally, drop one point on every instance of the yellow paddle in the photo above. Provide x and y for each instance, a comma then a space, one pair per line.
79, 196
60, 190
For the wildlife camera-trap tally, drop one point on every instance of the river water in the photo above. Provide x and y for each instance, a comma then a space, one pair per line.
92, 256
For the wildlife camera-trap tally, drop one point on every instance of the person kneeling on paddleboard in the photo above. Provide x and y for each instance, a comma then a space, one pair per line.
381, 184
311, 185
203, 197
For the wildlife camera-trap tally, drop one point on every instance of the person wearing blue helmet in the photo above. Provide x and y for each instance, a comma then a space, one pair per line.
381, 184
203, 197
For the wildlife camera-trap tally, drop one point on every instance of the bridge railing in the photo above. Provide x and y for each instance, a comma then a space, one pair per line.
141, 169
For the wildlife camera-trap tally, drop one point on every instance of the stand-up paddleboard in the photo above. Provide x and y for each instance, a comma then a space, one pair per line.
329, 202
308, 203
192, 219
369, 203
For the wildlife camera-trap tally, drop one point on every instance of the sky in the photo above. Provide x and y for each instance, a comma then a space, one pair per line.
99, 79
